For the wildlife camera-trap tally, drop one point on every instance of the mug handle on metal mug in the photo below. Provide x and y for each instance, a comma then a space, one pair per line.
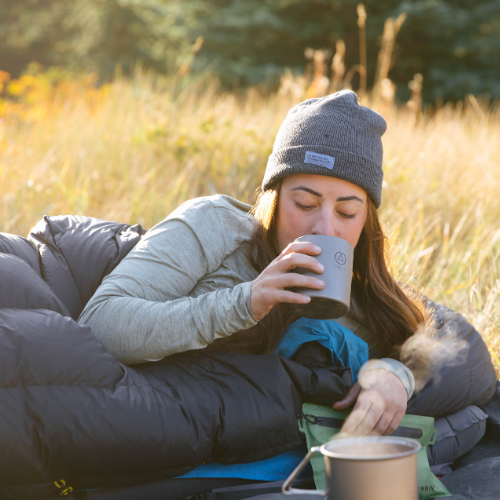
288, 490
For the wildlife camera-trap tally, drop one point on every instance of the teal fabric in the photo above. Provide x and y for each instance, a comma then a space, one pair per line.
346, 348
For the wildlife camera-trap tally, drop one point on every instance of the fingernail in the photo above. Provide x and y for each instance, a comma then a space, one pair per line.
306, 299
321, 267
320, 283
316, 248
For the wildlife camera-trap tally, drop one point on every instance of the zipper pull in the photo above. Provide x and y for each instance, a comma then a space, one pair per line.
312, 419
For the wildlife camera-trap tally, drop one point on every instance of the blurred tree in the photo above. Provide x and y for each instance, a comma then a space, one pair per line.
156, 33
43, 31
454, 44
93, 34
253, 40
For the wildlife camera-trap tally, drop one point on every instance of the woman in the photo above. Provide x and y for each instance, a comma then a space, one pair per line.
212, 276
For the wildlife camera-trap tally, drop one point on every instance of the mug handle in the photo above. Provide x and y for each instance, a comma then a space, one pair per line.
288, 490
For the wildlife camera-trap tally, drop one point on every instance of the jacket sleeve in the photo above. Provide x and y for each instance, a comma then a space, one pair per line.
144, 311
469, 380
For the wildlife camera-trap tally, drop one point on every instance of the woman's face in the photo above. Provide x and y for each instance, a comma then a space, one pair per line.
316, 204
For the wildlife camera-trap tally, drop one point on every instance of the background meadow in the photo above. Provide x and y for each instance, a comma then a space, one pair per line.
134, 149
203, 88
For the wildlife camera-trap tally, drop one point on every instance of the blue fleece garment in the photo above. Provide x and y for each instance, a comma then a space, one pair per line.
346, 348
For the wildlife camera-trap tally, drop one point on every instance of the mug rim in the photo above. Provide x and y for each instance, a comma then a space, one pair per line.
414, 447
322, 236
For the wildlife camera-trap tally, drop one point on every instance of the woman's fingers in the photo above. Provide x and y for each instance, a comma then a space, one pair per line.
268, 289
274, 288
352, 422
293, 260
378, 409
362, 419
303, 247
366, 414
290, 280
279, 296
383, 424
348, 400
388, 422
395, 422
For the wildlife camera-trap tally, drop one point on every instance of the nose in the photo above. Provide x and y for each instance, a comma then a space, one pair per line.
325, 224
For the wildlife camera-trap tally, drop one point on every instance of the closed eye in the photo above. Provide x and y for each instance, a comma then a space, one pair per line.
303, 207
347, 216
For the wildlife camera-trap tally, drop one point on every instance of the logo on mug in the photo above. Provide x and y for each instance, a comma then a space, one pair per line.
340, 258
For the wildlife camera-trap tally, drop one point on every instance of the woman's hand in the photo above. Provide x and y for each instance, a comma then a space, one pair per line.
380, 404
268, 289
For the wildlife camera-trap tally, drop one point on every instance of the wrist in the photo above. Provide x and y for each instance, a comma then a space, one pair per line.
401, 372
251, 306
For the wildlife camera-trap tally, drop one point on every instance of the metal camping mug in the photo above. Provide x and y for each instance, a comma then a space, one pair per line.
333, 301
365, 468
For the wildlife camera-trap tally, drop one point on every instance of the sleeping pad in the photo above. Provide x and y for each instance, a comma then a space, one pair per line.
71, 415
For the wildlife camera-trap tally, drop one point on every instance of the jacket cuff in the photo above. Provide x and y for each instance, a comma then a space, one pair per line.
247, 295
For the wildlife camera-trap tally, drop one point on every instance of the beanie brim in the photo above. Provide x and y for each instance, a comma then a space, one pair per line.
346, 166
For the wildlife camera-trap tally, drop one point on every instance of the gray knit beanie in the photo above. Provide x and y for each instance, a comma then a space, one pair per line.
332, 136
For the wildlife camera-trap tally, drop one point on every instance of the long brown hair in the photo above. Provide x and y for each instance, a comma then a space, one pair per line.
392, 313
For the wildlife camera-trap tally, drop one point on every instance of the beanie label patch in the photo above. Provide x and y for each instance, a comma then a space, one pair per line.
319, 159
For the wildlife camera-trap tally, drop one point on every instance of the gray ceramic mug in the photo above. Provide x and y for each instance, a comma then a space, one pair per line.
333, 300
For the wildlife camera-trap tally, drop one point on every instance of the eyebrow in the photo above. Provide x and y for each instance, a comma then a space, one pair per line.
309, 190
319, 195
349, 198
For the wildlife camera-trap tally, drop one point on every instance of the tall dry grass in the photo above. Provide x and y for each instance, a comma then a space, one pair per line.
134, 150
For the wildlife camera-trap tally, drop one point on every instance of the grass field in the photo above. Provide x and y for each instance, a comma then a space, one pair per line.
134, 150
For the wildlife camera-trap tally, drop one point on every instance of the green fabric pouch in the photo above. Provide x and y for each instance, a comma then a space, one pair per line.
321, 423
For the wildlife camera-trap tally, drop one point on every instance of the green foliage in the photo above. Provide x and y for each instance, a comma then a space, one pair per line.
93, 34
455, 44
253, 41
42, 31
